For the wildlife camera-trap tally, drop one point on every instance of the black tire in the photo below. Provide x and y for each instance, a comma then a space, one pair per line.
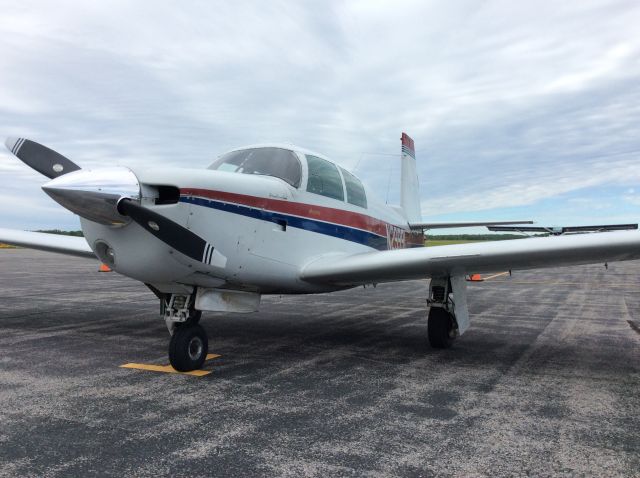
188, 348
441, 328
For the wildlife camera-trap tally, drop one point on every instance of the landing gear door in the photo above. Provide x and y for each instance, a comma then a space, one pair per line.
460, 308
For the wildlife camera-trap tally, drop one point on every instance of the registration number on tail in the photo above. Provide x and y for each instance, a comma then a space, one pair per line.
395, 237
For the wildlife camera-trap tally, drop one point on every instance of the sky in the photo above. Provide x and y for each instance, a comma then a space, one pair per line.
519, 110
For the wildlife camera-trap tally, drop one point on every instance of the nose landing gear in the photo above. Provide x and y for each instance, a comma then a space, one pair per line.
189, 343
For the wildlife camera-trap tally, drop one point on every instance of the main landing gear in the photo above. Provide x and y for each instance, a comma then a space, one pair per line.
441, 328
448, 314
189, 343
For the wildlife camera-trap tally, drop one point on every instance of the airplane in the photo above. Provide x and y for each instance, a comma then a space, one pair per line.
276, 219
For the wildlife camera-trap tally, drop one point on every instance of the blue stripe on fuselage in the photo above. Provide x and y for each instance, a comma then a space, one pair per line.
336, 230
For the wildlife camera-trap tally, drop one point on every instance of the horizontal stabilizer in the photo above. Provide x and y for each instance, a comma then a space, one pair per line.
564, 230
418, 226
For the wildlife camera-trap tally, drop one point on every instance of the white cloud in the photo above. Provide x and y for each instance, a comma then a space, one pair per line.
509, 102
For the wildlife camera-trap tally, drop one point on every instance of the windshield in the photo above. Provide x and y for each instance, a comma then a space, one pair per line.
276, 162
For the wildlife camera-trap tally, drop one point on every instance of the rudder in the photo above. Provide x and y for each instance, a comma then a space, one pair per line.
409, 187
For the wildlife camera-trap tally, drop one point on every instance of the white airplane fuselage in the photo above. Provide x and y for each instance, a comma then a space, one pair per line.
263, 231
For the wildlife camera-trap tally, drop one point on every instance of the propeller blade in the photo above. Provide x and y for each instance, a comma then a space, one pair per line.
168, 231
44, 160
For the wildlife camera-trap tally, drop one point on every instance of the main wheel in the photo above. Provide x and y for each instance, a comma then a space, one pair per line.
441, 328
188, 348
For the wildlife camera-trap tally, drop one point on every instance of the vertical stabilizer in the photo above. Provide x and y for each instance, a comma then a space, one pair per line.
409, 188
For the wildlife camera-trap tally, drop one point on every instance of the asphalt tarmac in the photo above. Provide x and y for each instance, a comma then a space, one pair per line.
545, 382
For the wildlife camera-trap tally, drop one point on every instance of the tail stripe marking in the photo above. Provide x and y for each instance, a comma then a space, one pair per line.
408, 146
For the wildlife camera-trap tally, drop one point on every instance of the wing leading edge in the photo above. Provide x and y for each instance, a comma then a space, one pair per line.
75, 246
420, 226
564, 229
480, 257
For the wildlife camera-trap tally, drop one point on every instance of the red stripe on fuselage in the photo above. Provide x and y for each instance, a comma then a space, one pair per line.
311, 211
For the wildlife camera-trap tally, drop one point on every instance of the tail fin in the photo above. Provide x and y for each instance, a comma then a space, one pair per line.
409, 188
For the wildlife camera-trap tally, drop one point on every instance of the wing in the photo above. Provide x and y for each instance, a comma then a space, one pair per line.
418, 226
564, 230
480, 257
75, 246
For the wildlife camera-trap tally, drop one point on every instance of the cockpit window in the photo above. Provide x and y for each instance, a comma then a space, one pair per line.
324, 178
277, 162
355, 190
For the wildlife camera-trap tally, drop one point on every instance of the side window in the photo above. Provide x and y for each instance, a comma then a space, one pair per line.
355, 191
324, 178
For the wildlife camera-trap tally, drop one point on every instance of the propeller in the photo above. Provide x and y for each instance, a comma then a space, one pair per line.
168, 231
44, 160
105, 195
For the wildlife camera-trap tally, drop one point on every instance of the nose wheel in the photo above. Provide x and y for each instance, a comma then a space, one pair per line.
188, 347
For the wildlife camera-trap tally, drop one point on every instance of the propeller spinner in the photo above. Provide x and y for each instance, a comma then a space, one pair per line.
94, 194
